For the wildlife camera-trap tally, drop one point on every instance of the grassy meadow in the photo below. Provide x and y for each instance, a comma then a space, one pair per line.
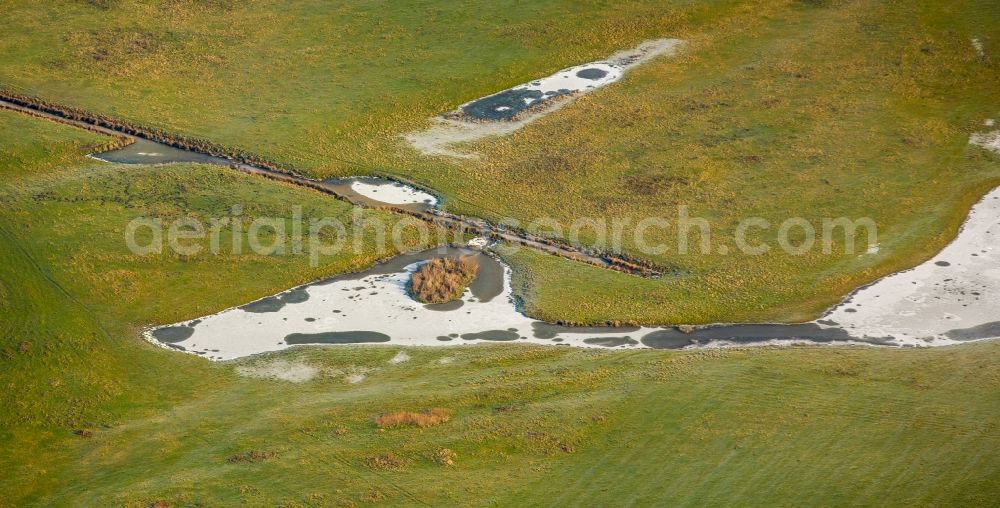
847, 109
74, 296
775, 109
95, 416
811, 108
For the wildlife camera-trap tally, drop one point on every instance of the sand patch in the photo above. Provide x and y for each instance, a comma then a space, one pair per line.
987, 140
950, 298
392, 192
507, 111
399, 358
978, 46
377, 302
479, 242
299, 372
444, 133
376, 192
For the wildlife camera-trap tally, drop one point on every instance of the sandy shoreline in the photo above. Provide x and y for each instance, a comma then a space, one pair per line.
947, 300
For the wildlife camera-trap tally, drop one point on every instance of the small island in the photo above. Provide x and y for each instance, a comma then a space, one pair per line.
442, 280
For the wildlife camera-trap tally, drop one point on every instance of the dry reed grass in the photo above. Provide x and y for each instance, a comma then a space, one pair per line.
424, 418
442, 280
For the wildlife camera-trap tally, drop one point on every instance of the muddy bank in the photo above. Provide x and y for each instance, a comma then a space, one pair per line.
11, 102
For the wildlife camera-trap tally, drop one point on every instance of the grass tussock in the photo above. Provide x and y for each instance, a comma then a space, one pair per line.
423, 419
442, 280
250, 456
444, 457
386, 462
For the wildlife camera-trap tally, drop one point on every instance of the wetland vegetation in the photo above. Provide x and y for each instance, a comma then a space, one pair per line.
442, 280
779, 109
774, 108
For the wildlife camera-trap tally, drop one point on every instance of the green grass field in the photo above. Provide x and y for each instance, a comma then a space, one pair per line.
95, 416
549, 426
776, 108
74, 297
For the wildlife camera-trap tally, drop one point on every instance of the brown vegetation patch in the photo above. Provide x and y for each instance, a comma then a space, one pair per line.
424, 418
250, 456
84, 433
373, 495
506, 408
442, 280
444, 457
386, 462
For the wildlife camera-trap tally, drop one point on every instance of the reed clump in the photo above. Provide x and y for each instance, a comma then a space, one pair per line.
423, 419
442, 280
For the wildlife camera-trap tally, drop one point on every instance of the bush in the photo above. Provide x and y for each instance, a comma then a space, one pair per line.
424, 418
442, 280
